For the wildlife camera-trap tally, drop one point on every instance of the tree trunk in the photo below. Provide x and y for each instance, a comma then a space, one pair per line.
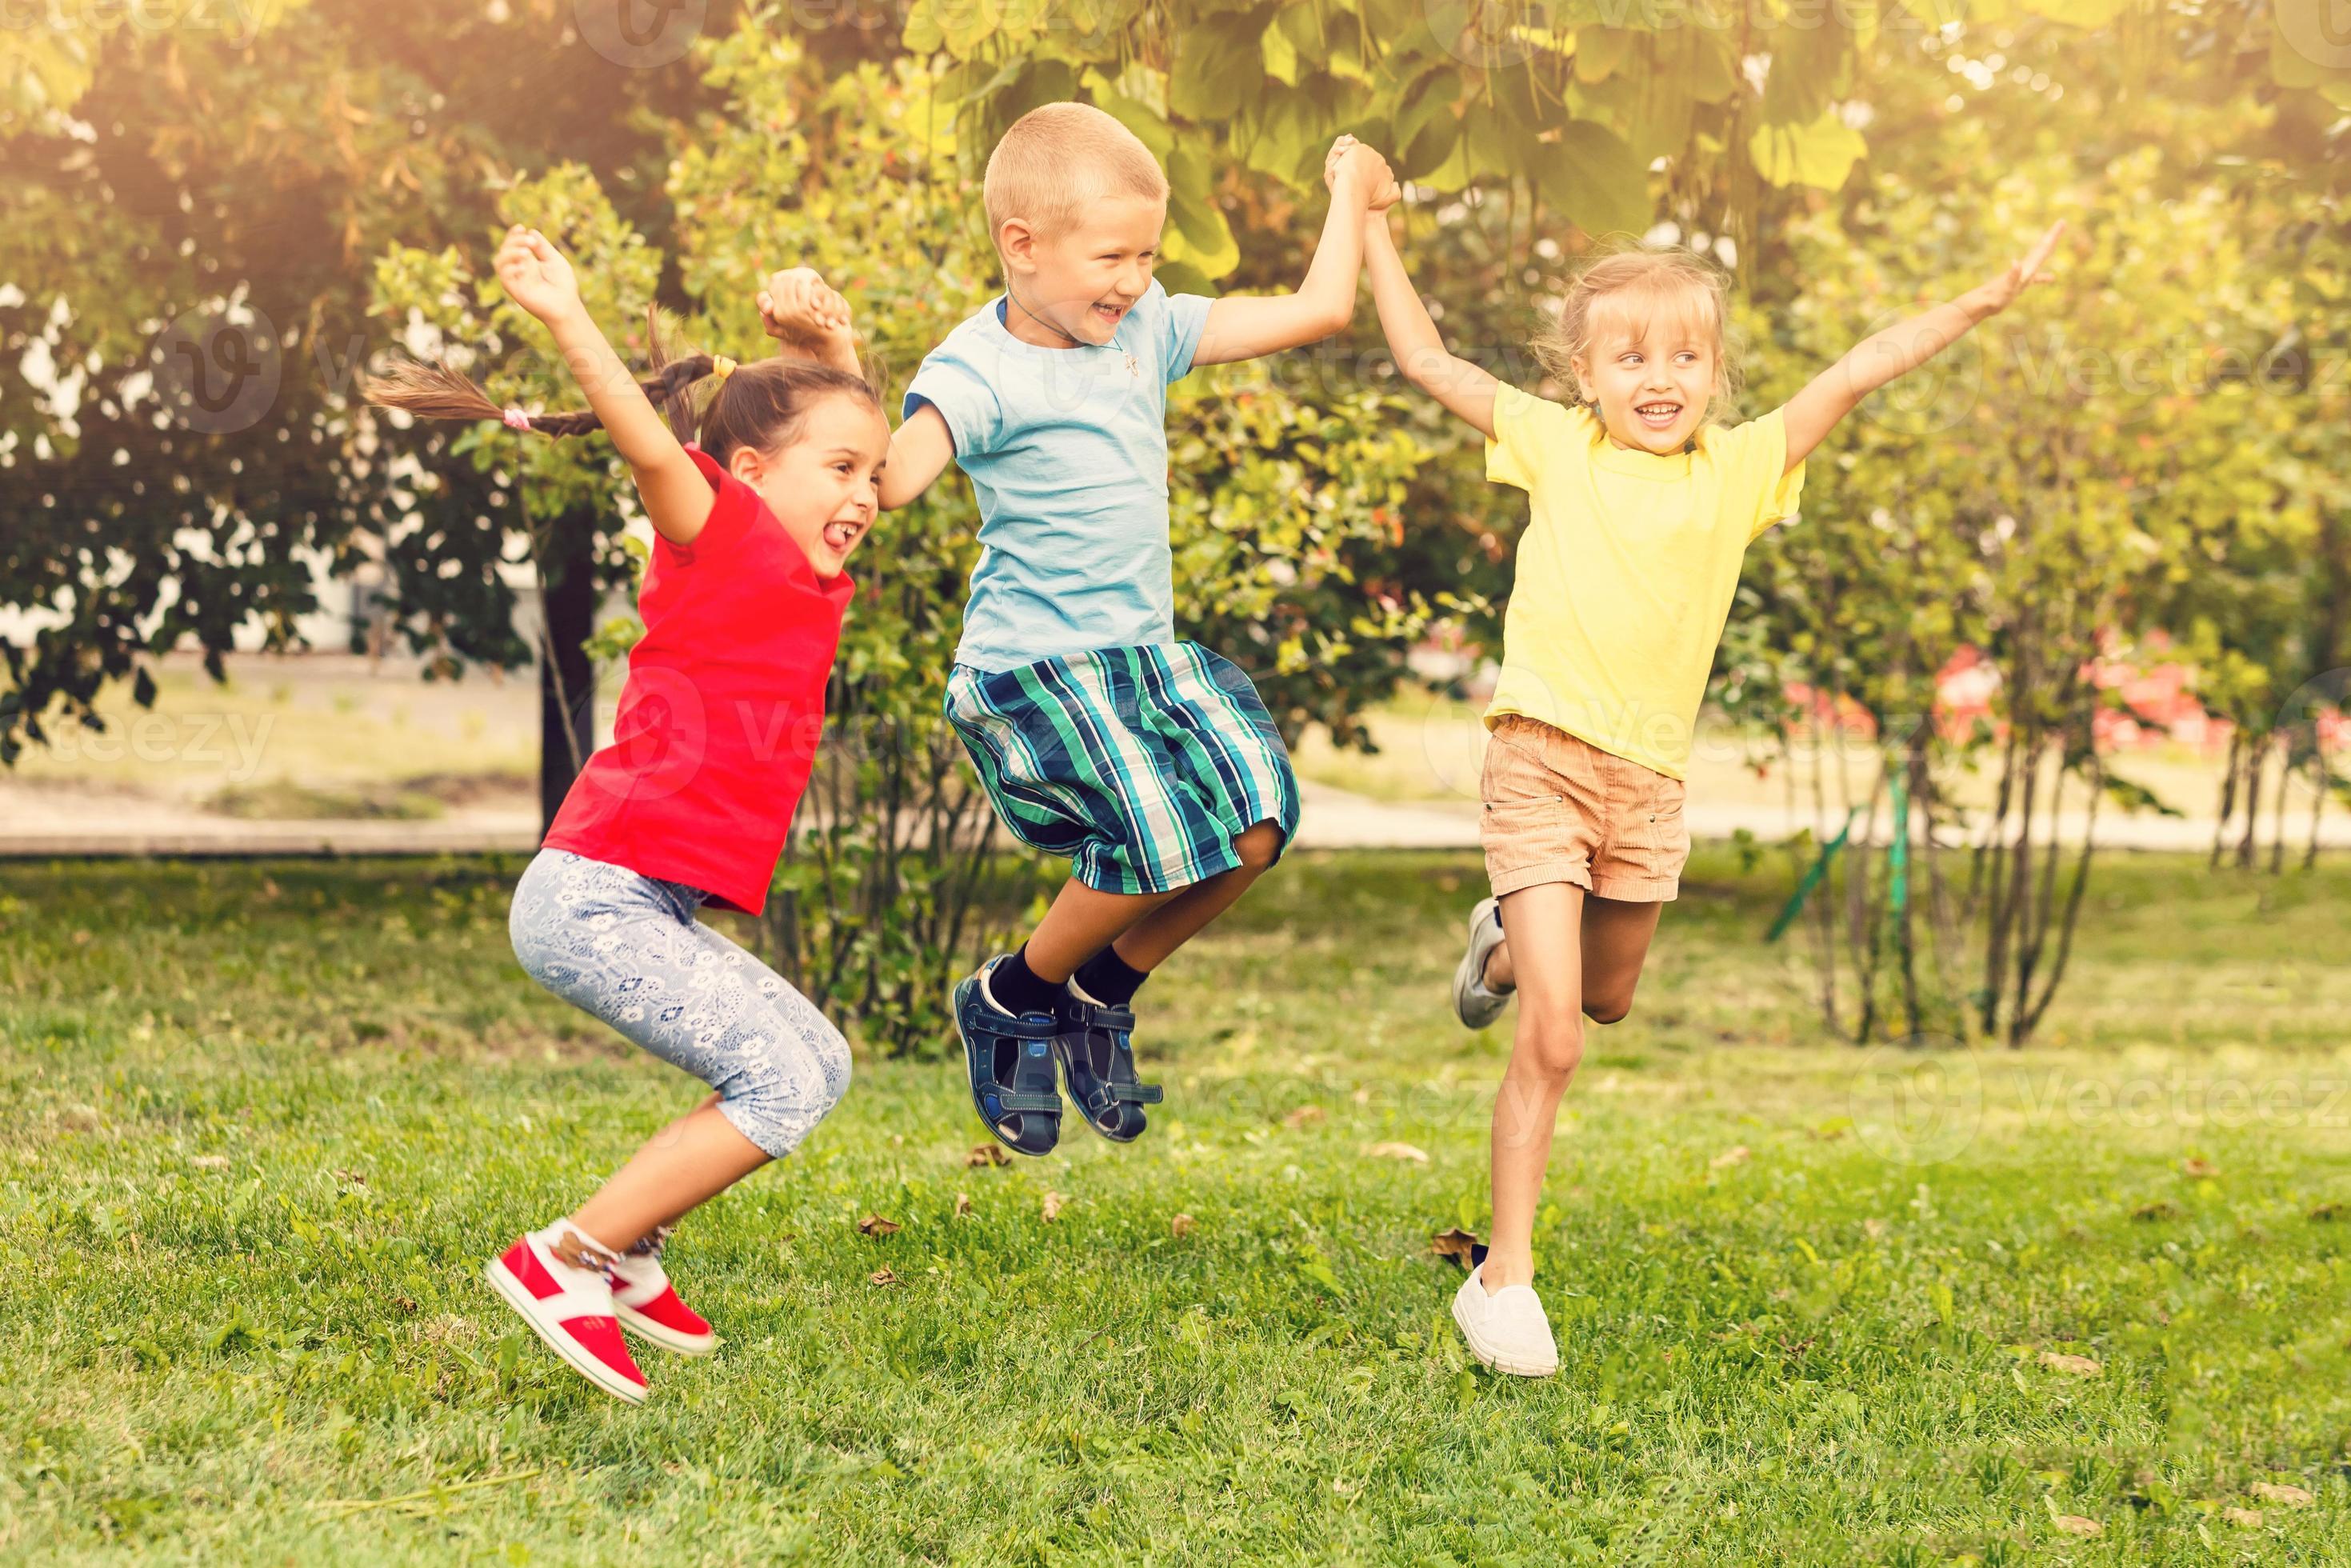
2227, 793
2277, 814
2324, 781
566, 680
2256, 756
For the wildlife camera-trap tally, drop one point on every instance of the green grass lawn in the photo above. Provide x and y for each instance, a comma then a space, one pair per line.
261, 1126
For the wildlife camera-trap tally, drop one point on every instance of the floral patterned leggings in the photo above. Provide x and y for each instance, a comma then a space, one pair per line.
628, 949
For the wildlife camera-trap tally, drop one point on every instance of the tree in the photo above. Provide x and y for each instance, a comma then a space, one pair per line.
2069, 482
190, 214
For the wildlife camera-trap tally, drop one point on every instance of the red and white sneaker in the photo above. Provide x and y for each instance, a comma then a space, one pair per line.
647, 1303
572, 1309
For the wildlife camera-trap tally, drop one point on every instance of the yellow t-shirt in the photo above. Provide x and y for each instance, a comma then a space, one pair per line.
1626, 571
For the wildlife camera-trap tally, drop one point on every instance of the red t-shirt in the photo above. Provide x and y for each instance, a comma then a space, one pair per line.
718, 723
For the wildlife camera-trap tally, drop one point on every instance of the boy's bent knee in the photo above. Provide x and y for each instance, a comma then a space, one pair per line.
1607, 1010
1258, 846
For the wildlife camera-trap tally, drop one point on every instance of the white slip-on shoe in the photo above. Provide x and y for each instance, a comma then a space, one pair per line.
1473, 1004
1507, 1331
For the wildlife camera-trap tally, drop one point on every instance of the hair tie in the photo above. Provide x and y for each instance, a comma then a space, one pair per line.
722, 367
515, 419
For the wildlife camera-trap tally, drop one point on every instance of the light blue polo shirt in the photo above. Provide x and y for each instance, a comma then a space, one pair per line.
1067, 450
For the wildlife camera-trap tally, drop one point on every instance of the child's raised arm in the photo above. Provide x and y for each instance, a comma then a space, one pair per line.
1902, 348
1243, 326
677, 498
809, 319
1420, 354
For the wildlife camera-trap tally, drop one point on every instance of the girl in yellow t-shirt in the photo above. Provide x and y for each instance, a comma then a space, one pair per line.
1640, 510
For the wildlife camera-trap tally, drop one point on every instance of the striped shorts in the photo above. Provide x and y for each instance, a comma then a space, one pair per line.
1140, 765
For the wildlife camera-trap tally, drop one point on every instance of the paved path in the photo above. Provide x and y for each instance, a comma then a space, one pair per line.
38, 823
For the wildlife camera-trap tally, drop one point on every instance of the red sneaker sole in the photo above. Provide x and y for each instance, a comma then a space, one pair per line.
503, 1280
662, 1334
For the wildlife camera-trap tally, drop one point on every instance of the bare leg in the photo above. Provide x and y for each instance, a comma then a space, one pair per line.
1148, 942
1500, 978
1615, 935
1583, 941
685, 1164
1081, 923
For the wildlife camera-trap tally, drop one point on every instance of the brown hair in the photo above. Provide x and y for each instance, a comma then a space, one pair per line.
1059, 157
1635, 278
761, 405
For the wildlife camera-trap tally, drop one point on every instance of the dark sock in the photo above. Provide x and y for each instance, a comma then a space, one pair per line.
1109, 978
1018, 988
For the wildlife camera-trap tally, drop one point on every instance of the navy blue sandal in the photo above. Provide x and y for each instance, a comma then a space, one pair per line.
1097, 1055
1010, 1062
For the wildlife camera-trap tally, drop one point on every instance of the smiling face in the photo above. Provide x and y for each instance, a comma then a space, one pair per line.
1084, 278
1652, 364
824, 485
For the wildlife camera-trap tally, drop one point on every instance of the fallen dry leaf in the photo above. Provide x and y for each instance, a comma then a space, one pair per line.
2292, 1497
2161, 1209
963, 1204
1052, 1206
874, 1225
2079, 1366
2243, 1518
1455, 1244
1302, 1115
1181, 1224
988, 1155
884, 1277
210, 1162
1736, 1155
2325, 1211
2075, 1524
2200, 1168
1873, 1228
1396, 1151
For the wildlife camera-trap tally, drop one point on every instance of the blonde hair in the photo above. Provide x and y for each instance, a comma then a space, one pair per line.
1623, 287
1056, 160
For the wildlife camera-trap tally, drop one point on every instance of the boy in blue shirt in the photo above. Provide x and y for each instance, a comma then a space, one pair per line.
1150, 763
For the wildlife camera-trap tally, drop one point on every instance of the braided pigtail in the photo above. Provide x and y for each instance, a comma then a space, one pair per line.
438, 391
759, 405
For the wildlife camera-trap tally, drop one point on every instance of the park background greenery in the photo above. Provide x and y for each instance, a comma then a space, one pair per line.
2150, 461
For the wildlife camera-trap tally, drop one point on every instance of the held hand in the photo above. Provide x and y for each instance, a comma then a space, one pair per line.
1365, 173
536, 277
799, 309
2001, 293
1332, 160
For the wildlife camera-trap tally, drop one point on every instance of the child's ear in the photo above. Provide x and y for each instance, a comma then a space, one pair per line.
748, 465
1018, 242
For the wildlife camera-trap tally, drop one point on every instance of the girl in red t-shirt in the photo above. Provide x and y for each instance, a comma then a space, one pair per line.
690, 804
